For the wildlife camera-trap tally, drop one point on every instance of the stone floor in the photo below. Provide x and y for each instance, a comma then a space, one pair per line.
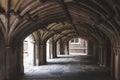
68, 68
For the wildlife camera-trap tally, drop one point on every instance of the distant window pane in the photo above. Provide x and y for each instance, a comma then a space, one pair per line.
76, 40
72, 41
25, 46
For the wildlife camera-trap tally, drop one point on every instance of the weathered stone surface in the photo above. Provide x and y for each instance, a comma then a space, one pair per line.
68, 68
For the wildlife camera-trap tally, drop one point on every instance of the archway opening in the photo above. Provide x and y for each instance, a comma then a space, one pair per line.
78, 46
29, 53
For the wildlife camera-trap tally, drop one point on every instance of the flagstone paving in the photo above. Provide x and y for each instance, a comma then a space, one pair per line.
79, 67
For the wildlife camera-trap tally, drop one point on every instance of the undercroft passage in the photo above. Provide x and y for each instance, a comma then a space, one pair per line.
68, 67
60, 39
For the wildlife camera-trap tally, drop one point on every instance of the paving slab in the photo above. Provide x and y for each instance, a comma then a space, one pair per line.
70, 67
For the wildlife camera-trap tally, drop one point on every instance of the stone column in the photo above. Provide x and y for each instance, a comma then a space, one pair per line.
117, 65
42, 54
34, 55
107, 53
113, 62
38, 55
94, 53
99, 59
65, 48
61, 47
20, 66
13, 62
104, 56
58, 48
2, 62
101, 55
97, 52
9, 68
90, 48
54, 50
89, 51
68, 48
50, 49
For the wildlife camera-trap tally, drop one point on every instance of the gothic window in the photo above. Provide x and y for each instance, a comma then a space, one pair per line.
76, 40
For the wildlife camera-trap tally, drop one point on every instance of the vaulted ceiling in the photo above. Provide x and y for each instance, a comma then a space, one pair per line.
92, 19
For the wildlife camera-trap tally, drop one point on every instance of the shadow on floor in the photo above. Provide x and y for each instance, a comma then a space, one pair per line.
68, 68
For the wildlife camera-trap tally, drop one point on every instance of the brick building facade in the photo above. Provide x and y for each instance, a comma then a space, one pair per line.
78, 45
